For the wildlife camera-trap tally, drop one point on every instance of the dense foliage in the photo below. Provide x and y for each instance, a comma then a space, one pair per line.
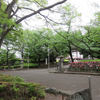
42, 43
13, 88
9, 78
13, 12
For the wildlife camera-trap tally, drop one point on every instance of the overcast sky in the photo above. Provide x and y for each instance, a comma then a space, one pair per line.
86, 7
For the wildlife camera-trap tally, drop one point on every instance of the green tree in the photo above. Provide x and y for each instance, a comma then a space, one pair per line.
92, 38
68, 16
6, 58
10, 45
10, 16
36, 44
2, 56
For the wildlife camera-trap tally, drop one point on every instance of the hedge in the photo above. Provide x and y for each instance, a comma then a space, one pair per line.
25, 65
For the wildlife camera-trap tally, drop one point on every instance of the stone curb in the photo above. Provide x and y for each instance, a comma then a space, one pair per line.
77, 73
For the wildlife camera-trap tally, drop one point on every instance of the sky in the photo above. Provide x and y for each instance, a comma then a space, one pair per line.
85, 7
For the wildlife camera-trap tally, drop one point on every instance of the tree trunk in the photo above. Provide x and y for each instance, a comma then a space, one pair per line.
39, 61
7, 56
3, 36
70, 53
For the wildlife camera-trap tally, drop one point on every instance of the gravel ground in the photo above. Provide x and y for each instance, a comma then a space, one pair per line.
66, 82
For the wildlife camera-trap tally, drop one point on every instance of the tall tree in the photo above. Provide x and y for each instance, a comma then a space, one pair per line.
10, 16
10, 44
68, 17
92, 39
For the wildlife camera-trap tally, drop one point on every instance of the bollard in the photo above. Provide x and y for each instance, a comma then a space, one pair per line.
62, 97
90, 95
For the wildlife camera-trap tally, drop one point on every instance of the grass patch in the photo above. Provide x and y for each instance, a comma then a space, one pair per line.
89, 60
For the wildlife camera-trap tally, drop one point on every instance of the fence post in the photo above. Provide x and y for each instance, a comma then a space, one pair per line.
90, 95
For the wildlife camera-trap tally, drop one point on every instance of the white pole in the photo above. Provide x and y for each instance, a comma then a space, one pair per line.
90, 95
48, 60
28, 58
46, 63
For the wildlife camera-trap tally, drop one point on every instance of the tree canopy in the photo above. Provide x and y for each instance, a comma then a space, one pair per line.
60, 37
11, 15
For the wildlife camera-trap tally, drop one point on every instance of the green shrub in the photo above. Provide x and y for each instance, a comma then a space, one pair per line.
31, 65
17, 62
25, 65
3, 67
30, 60
11, 67
21, 91
66, 60
10, 78
14, 88
16, 66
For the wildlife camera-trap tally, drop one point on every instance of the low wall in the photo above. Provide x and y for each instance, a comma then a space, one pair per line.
82, 95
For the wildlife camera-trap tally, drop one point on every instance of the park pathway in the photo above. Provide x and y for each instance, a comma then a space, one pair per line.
66, 82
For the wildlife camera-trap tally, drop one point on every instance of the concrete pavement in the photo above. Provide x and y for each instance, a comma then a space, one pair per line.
66, 82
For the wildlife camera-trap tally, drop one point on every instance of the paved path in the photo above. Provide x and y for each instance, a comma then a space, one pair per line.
66, 82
